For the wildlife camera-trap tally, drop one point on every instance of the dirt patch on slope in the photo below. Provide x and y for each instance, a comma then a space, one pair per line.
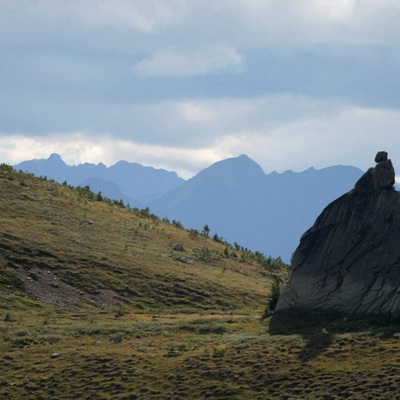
46, 287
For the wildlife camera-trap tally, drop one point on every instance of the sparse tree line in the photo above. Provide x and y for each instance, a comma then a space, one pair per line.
246, 255
205, 253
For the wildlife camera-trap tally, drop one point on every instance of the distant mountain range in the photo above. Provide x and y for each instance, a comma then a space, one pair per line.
234, 197
130, 182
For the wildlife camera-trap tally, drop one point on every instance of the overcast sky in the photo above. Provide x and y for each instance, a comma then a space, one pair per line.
180, 84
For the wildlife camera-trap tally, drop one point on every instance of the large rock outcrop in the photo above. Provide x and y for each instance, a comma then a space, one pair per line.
349, 260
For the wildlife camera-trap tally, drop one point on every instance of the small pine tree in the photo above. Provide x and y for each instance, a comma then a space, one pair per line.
273, 297
206, 231
227, 252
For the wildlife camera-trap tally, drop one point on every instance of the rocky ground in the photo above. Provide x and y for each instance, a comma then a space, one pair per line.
46, 287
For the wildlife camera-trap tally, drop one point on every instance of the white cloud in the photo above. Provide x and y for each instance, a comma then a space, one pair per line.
323, 10
218, 117
351, 136
301, 22
76, 148
206, 60
279, 133
195, 112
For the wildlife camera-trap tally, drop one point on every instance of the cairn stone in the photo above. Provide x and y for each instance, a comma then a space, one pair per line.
384, 175
380, 177
381, 156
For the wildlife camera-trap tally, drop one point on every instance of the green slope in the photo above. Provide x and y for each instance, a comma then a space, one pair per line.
95, 303
65, 245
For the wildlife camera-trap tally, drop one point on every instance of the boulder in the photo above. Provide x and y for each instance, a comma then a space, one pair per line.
179, 247
382, 176
381, 156
349, 260
366, 182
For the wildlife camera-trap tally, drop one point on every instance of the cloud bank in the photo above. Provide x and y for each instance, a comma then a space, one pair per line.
183, 83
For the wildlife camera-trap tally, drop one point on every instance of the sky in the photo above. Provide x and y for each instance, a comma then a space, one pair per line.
181, 84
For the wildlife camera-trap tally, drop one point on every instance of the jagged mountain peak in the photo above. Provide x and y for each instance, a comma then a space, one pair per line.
234, 196
241, 162
55, 157
235, 168
242, 203
134, 181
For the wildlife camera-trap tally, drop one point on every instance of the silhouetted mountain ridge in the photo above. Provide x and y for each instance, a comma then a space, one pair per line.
263, 212
133, 181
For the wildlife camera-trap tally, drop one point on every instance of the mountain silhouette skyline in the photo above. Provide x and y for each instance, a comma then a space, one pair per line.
234, 197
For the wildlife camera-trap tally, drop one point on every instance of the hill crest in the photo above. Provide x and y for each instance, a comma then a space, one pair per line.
86, 249
238, 201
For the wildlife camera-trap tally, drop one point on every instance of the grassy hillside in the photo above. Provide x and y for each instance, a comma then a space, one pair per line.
65, 245
95, 303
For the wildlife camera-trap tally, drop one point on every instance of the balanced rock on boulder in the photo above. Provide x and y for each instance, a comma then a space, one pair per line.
349, 260
382, 176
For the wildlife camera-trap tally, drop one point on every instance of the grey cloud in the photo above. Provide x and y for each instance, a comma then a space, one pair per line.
165, 73
146, 17
208, 59
53, 90
258, 22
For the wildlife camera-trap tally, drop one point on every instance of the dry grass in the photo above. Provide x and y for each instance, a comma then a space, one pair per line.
182, 325
66, 354
98, 245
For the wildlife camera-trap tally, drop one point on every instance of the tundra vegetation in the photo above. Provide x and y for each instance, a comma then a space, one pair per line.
102, 301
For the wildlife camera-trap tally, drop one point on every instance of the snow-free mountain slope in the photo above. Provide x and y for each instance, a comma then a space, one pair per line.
262, 212
238, 201
133, 180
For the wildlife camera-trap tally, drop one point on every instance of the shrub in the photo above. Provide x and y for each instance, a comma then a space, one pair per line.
187, 328
194, 233
119, 313
8, 318
177, 224
218, 329
218, 239
273, 297
204, 254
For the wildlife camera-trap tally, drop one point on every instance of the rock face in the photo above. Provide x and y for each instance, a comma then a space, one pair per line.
349, 260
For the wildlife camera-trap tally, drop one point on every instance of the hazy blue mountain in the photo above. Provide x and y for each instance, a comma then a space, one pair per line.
110, 190
238, 201
262, 212
123, 180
